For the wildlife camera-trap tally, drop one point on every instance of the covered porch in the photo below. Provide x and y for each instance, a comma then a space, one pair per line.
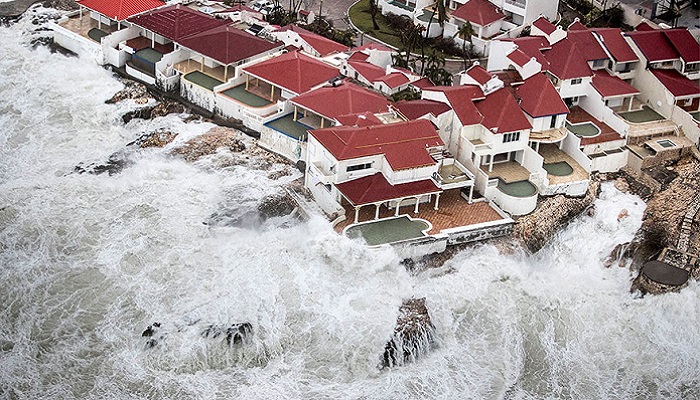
220, 73
262, 88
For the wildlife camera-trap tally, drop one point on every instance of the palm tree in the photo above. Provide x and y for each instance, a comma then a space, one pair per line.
465, 32
373, 9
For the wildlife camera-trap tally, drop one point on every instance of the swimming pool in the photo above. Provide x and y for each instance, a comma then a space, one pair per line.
517, 189
389, 230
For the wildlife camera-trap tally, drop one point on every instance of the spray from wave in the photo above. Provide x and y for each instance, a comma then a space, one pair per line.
89, 261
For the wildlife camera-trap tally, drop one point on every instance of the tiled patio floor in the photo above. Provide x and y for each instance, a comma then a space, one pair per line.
551, 155
454, 211
509, 172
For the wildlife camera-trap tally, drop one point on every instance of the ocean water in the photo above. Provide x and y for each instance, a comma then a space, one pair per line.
87, 262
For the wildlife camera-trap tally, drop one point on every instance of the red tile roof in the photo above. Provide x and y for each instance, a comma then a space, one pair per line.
358, 56
544, 25
615, 43
586, 45
393, 80
533, 46
502, 113
654, 45
322, 45
176, 22
423, 83
372, 46
519, 57
348, 98
361, 119
460, 99
403, 144
609, 86
369, 71
479, 12
644, 26
539, 98
228, 45
684, 43
414, 109
120, 9
293, 71
577, 26
479, 74
677, 84
566, 61
375, 188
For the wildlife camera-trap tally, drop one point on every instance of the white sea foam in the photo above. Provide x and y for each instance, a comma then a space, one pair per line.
87, 262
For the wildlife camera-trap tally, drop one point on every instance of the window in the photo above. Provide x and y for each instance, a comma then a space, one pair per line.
576, 81
598, 63
511, 137
358, 167
553, 122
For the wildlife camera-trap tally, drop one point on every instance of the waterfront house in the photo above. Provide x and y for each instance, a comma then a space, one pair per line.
311, 43
150, 51
84, 31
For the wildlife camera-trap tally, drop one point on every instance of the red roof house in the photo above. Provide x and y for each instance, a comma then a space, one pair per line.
176, 22
120, 10
654, 45
348, 98
293, 71
375, 189
676, 83
403, 144
684, 43
566, 60
368, 71
479, 12
228, 45
616, 45
323, 46
539, 98
587, 45
610, 86
544, 25
502, 113
414, 109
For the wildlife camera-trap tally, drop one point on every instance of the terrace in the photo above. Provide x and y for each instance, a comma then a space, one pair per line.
580, 122
87, 27
288, 126
454, 212
241, 95
202, 80
508, 172
561, 167
185, 67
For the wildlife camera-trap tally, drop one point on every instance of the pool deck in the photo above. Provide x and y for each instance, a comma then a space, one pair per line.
454, 212
509, 172
607, 134
552, 154
82, 26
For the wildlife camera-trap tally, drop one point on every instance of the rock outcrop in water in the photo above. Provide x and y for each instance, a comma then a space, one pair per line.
551, 214
114, 165
276, 205
210, 142
132, 90
158, 138
235, 334
413, 337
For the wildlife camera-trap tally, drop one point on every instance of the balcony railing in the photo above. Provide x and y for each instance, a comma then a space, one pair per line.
517, 3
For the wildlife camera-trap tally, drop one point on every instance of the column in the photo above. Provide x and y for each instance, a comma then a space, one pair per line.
376, 212
471, 193
398, 206
322, 122
247, 79
201, 65
357, 213
437, 201
415, 211
295, 112
225, 72
631, 101
491, 164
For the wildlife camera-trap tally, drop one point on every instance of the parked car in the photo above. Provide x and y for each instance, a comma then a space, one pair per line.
259, 5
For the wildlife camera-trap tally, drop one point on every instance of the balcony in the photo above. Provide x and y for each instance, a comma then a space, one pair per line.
323, 176
452, 174
517, 3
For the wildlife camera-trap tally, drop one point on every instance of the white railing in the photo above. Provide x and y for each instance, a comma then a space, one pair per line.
518, 3
76, 43
689, 124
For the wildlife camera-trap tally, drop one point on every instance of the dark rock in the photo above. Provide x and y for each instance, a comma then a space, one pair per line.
413, 336
301, 166
142, 113
132, 90
114, 165
208, 143
237, 333
156, 324
154, 139
6, 345
276, 205
211, 331
148, 331
166, 107
151, 343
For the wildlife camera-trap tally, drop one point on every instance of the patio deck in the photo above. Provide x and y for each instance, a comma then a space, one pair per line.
509, 172
552, 154
202, 80
185, 67
289, 126
607, 134
83, 25
454, 212
241, 95
140, 43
